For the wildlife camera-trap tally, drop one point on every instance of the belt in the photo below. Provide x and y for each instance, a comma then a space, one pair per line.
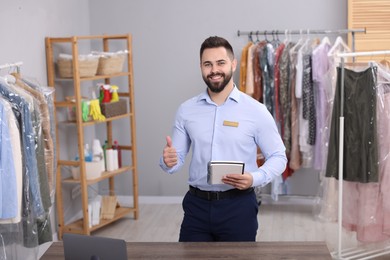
218, 195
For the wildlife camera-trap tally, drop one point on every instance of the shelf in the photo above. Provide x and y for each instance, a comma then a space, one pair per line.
77, 226
105, 175
94, 122
97, 77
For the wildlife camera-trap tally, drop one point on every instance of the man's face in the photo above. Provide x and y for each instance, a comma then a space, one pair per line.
217, 68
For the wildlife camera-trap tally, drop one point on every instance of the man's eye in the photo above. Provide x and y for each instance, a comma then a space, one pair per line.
207, 64
221, 63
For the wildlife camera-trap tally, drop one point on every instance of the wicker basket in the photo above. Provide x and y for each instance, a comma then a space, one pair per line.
110, 64
87, 67
114, 108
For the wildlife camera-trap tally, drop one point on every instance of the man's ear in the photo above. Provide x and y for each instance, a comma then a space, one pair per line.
234, 64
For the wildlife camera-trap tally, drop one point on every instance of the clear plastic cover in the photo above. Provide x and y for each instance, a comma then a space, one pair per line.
365, 204
27, 170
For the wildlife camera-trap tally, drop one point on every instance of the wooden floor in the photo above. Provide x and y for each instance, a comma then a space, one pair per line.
278, 221
161, 223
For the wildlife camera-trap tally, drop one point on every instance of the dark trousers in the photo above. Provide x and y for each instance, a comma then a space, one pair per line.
232, 219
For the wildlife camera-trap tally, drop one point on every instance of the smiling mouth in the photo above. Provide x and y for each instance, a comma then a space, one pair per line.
215, 77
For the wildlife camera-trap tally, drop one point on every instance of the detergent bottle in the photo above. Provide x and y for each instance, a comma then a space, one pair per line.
114, 94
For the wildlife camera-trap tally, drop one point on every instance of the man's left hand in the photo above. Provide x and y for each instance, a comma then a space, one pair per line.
238, 181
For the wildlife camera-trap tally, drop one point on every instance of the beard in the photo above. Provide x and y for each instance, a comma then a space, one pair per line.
217, 87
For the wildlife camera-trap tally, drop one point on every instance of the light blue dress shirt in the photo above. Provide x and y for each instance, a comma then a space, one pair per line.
8, 191
204, 126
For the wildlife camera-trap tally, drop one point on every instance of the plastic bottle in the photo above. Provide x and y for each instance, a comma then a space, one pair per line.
114, 94
116, 147
87, 153
106, 93
105, 147
97, 151
110, 160
101, 93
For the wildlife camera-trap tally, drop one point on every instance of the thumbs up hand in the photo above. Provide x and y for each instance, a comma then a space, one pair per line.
169, 153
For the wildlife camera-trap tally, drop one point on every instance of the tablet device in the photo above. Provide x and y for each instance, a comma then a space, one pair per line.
217, 169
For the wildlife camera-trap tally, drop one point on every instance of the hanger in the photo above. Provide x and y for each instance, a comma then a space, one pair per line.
287, 37
265, 36
339, 46
385, 63
277, 35
325, 40
298, 44
10, 79
275, 39
250, 36
257, 37
306, 43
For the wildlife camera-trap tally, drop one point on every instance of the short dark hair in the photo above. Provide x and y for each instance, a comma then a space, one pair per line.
215, 42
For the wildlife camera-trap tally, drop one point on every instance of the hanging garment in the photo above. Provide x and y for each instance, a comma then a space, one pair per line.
308, 106
383, 119
267, 67
295, 155
250, 71
48, 146
22, 112
366, 205
360, 141
243, 66
257, 72
8, 184
321, 82
14, 138
48, 94
285, 96
277, 105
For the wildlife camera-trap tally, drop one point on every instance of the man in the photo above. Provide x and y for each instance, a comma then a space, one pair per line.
222, 124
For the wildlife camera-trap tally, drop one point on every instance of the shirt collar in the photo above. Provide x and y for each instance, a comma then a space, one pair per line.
234, 95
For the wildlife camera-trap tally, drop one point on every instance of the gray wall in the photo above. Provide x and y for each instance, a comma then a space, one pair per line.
166, 39
25, 24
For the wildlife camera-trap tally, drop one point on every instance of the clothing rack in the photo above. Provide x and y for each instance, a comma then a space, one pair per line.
357, 252
304, 32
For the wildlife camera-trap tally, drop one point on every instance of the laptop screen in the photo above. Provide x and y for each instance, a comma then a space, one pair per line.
83, 247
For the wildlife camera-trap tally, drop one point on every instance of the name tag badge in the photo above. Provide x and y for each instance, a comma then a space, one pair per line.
230, 123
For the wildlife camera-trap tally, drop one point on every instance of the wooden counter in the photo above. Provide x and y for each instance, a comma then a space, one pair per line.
215, 250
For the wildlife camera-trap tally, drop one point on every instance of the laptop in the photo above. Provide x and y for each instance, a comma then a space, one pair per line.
83, 247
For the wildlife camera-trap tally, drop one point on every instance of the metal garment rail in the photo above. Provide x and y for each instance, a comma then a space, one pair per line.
16, 65
304, 32
351, 253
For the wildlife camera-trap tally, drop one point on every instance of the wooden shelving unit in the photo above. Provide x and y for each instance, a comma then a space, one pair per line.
82, 226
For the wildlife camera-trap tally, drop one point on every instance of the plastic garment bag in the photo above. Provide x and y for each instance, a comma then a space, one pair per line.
21, 234
366, 201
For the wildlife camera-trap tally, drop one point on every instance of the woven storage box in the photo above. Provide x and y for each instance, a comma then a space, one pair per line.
114, 108
87, 67
110, 64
